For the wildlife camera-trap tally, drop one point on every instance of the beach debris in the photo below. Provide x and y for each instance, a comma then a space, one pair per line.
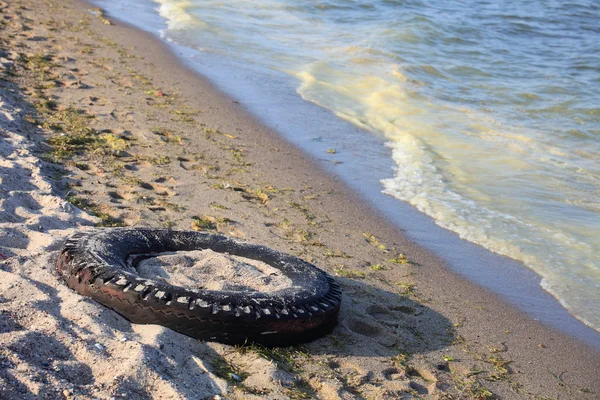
400, 258
304, 311
155, 93
372, 239
331, 151
6, 64
99, 13
96, 12
199, 364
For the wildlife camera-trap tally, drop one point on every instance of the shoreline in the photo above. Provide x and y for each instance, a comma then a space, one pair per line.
506, 277
338, 219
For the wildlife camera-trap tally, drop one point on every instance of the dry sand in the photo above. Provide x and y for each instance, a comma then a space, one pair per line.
207, 269
135, 139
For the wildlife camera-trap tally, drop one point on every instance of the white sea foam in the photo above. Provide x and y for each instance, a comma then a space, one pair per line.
176, 15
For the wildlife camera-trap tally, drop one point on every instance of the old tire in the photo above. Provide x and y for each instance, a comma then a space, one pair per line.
95, 265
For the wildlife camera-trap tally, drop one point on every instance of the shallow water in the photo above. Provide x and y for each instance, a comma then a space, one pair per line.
491, 110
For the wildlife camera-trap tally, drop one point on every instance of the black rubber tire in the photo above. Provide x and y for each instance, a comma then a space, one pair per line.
95, 264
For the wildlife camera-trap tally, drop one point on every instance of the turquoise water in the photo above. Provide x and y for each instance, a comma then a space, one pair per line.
491, 109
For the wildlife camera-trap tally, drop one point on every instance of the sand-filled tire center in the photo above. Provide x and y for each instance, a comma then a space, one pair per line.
98, 264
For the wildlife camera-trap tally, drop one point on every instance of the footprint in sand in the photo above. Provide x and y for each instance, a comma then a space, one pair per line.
363, 327
121, 195
381, 312
372, 329
404, 309
377, 310
160, 190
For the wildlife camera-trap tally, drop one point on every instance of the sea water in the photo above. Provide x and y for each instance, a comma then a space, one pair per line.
491, 109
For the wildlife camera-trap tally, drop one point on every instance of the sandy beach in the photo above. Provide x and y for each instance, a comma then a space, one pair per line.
102, 127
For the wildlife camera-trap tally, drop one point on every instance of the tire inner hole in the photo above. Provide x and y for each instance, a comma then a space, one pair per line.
210, 270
